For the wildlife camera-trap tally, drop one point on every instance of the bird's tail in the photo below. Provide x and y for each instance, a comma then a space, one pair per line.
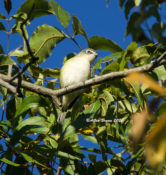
61, 117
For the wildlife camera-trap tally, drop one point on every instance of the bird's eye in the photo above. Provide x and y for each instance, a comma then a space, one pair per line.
89, 52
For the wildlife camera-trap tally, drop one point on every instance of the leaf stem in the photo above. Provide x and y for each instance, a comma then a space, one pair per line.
73, 39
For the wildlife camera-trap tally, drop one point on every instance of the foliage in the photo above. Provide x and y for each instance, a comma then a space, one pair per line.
125, 118
146, 23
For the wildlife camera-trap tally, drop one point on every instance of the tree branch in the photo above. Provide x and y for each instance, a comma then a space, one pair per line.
93, 81
111, 76
8, 86
29, 86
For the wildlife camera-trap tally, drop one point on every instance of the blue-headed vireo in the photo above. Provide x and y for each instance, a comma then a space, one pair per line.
75, 70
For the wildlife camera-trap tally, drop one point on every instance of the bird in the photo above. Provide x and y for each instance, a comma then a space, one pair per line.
75, 70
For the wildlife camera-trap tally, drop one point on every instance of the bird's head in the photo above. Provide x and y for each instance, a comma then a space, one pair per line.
89, 54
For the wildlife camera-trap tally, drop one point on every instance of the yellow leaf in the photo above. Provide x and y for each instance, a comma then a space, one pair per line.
140, 121
137, 2
86, 131
147, 80
155, 143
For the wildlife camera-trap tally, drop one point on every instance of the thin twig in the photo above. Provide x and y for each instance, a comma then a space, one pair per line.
148, 29
59, 170
73, 39
33, 58
10, 70
8, 35
8, 44
23, 69
18, 88
18, 48
42, 79
160, 58
3, 111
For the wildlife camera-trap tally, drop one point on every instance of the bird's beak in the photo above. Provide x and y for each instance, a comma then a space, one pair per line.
96, 54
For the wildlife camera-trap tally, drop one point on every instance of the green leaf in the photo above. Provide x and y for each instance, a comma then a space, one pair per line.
35, 121
162, 109
28, 158
40, 8
2, 16
98, 64
100, 130
100, 166
51, 72
134, 24
93, 108
140, 53
69, 168
160, 72
113, 56
39, 129
101, 43
123, 63
80, 168
30, 102
127, 52
1, 50
94, 150
157, 31
112, 67
137, 90
8, 5
91, 170
77, 27
29, 126
67, 155
132, 46
10, 109
53, 142
44, 39
77, 107
10, 162
117, 163
36, 69
2, 26
62, 15
20, 18
6, 60
5, 124
121, 3
90, 138
153, 11
18, 53
69, 131
126, 105
14, 169
92, 157
128, 6
106, 98
22, 56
